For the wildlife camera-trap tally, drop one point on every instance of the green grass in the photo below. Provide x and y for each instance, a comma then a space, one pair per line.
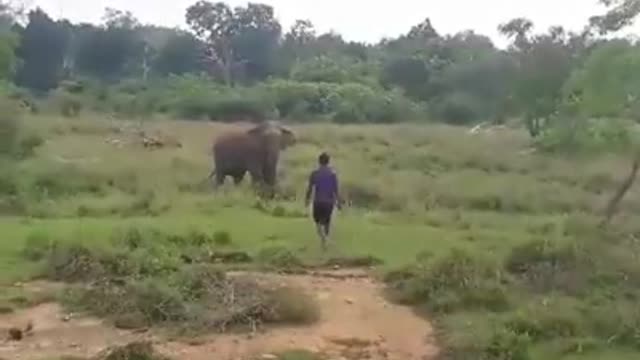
416, 192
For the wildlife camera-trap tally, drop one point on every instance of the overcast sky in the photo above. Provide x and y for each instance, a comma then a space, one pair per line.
361, 20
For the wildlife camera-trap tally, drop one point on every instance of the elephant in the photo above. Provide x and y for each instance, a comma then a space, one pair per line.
256, 150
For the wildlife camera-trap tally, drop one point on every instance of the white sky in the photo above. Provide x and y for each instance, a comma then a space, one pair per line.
361, 20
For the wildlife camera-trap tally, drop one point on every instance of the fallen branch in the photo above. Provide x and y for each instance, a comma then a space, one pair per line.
612, 207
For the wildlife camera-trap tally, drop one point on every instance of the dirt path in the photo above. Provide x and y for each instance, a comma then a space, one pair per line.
356, 323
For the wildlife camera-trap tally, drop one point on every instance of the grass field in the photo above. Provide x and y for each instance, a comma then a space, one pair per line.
412, 191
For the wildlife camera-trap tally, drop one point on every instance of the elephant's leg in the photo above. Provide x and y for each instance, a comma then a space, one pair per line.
220, 175
257, 176
238, 177
269, 176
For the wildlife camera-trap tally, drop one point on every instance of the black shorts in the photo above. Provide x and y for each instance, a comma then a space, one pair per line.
322, 213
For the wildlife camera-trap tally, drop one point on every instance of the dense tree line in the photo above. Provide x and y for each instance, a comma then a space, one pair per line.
241, 62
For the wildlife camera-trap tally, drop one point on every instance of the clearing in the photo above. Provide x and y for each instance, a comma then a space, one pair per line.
357, 322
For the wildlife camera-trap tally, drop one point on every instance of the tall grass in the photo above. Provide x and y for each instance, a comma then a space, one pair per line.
510, 264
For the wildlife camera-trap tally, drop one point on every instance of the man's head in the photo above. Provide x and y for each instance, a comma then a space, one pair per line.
324, 159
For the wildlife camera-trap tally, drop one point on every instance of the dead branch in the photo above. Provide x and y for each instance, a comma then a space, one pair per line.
612, 207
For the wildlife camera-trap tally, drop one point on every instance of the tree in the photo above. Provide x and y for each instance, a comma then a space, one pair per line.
423, 30
518, 31
179, 55
256, 40
302, 33
114, 18
487, 81
8, 61
544, 64
621, 14
9, 42
111, 50
215, 25
412, 74
42, 48
608, 85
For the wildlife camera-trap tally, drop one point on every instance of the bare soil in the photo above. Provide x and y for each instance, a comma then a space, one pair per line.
357, 323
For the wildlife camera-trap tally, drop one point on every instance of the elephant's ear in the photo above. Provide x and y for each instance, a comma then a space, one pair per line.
257, 129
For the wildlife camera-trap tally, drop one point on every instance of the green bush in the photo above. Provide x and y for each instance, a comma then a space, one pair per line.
37, 246
458, 109
10, 127
454, 282
280, 258
565, 134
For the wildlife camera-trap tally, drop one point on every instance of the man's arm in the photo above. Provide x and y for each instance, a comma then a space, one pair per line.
307, 197
336, 191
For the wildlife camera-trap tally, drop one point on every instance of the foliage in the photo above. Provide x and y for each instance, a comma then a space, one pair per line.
608, 84
247, 68
42, 47
145, 284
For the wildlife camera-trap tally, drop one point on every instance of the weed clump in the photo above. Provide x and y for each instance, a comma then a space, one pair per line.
280, 258
37, 246
132, 351
291, 306
546, 266
456, 281
222, 238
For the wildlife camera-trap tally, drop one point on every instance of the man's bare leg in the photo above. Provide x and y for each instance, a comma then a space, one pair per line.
322, 235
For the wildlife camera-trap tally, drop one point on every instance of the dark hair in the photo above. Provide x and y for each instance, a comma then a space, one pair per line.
323, 159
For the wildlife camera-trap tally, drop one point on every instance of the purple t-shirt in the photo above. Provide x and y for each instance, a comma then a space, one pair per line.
325, 183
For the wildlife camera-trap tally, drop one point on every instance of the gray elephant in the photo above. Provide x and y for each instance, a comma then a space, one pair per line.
256, 151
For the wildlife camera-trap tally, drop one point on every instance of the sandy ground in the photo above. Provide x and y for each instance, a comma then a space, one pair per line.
356, 323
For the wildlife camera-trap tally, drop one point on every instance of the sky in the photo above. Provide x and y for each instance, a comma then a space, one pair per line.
360, 20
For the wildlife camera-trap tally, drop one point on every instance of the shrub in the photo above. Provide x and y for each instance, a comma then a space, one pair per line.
291, 306
222, 238
506, 345
236, 108
65, 180
457, 109
37, 246
547, 267
10, 127
453, 282
134, 351
280, 258
68, 104
27, 145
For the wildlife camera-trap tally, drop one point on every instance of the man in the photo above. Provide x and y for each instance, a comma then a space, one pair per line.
324, 183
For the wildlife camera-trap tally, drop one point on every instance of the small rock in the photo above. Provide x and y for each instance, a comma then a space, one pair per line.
67, 318
269, 357
28, 329
336, 267
15, 334
348, 301
74, 345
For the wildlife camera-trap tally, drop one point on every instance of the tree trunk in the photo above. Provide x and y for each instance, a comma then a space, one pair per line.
621, 192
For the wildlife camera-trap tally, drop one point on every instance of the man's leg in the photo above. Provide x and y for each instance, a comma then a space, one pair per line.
317, 218
322, 235
327, 221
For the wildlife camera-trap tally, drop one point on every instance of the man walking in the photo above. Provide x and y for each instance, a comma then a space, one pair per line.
324, 184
